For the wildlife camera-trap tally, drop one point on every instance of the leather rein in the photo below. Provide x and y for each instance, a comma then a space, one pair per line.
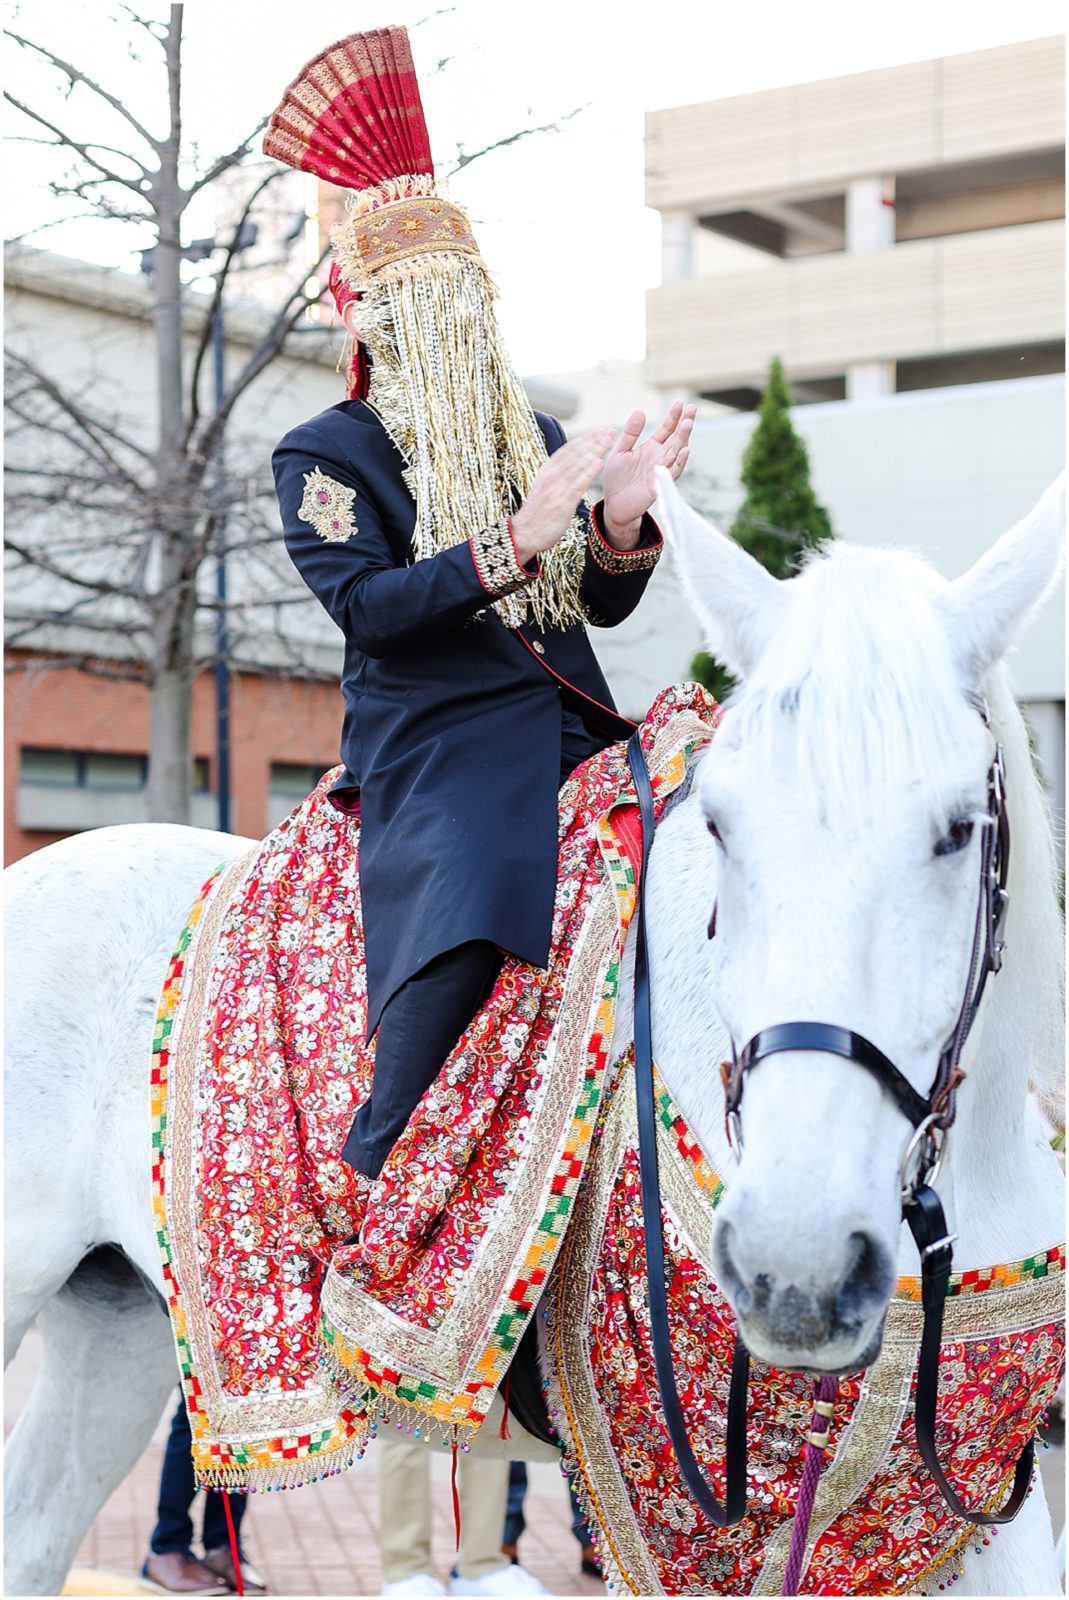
930, 1117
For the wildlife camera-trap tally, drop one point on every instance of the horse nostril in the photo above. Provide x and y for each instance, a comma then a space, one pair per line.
869, 1277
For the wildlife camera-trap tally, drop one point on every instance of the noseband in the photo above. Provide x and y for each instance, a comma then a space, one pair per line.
930, 1118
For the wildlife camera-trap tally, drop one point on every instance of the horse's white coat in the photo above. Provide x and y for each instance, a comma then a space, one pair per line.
829, 892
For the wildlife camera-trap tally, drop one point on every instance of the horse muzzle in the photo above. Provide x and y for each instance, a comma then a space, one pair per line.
831, 1322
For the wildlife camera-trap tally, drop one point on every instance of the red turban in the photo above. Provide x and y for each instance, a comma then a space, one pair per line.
356, 378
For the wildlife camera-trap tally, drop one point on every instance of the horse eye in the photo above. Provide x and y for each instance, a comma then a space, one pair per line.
956, 838
714, 830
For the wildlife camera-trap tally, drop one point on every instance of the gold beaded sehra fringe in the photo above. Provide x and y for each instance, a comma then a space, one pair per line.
446, 392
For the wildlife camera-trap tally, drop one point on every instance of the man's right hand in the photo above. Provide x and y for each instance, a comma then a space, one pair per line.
559, 485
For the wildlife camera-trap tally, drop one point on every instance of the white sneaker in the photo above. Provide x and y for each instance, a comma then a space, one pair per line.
510, 1580
419, 1583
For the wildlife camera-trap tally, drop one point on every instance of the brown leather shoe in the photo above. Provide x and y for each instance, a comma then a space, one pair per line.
178, 1572
221, 1563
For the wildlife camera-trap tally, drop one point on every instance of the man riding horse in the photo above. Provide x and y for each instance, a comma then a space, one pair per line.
435, 517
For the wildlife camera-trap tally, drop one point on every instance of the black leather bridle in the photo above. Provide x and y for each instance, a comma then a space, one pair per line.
930, 1117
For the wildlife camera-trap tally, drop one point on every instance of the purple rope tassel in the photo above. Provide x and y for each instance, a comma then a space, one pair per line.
825, 1393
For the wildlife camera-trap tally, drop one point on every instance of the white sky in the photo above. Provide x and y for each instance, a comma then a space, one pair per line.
560, 217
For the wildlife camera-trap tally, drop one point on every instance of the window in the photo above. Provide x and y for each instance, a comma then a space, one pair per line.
295, 779
94, 769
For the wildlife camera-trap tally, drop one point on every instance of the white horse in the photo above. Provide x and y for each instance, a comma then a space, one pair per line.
844, 777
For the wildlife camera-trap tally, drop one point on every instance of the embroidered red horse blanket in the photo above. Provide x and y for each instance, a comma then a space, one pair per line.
290, 1343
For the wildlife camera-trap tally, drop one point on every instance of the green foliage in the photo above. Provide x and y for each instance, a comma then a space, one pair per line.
707, 670
780, 518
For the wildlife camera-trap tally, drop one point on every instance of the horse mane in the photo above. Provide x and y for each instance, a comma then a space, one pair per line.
1027, 999
866, 674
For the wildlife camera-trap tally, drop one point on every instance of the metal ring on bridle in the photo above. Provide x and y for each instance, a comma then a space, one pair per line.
931, 1160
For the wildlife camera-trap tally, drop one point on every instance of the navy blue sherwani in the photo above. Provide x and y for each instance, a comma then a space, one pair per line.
453, 721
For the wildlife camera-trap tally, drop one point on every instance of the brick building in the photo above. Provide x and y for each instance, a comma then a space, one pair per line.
76, 741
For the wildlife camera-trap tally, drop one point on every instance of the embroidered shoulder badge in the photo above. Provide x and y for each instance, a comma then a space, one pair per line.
328, 506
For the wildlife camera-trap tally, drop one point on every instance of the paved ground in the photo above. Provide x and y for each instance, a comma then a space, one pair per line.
324, 1539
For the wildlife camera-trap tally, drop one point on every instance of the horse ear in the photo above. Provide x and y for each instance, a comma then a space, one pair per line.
738, 603
988, 606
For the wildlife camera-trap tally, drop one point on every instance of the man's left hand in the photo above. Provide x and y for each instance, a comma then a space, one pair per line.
628, 474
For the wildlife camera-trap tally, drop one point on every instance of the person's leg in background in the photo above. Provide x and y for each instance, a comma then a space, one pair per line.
171, 1567
481, 1569
405, 1518
418, 1029
216, 1541
515, 1521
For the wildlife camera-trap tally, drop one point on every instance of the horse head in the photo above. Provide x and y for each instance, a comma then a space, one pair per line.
847, 795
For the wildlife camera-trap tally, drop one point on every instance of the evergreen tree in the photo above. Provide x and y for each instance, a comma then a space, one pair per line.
780, 518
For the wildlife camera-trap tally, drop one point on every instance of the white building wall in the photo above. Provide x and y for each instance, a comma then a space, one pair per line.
943, 471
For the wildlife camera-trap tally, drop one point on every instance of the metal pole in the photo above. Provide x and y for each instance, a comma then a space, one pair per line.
222, 642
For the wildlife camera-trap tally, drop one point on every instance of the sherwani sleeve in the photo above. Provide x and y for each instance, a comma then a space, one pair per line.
336, 540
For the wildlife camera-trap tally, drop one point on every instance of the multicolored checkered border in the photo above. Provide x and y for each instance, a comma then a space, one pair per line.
281, 1461
467, 1407
1046, 1264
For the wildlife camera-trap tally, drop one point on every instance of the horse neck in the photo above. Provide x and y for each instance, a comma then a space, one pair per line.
1000, 1178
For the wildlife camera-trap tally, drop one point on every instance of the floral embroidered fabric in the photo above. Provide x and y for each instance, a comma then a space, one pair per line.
291, 1343
328, 506
879, 1525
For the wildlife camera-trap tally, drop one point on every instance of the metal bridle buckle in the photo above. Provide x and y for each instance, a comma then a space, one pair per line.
931, 1131
733, 1124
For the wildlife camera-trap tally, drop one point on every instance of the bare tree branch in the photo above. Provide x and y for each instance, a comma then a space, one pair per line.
230, 253
76, 75
33, 556
135, 184
465, 160
231, 159
149, 26
261, 357
93, 428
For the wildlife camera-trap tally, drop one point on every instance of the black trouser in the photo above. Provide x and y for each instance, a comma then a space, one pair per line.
419, 1027
178, 1487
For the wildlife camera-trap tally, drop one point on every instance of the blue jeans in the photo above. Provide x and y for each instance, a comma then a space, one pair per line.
515, 1521
178, 1489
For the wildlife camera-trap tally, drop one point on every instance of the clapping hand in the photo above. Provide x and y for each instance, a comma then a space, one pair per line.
628, 476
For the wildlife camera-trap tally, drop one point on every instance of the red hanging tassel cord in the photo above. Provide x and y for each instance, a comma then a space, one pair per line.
453, 1487
503, 1431
234, 1554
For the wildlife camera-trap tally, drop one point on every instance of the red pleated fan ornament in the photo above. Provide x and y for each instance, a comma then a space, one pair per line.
353, 114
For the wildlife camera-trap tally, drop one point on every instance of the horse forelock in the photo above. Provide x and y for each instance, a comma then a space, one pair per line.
862, 672
864, 676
